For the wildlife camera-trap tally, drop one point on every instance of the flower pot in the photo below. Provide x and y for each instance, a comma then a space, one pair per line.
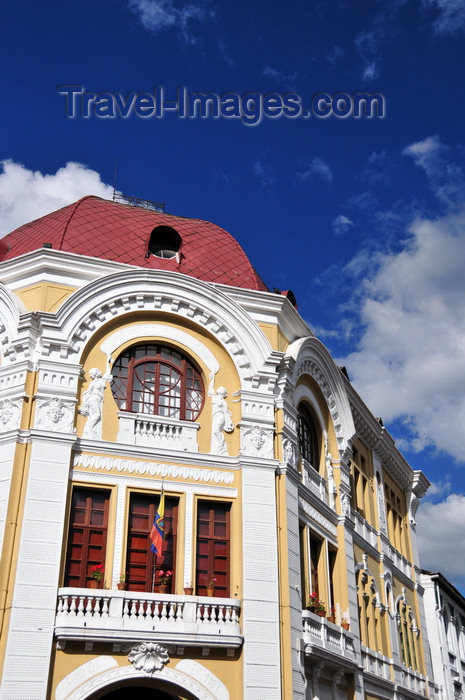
345, 625
331, 618
163, 588
321, 613
93, 583
210, 591
121, 586
188, 591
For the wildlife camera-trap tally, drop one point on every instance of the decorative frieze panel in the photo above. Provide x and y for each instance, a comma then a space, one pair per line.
256, 442
54, 414
58, 378
136, 467
12, 379
317, 517
10, 412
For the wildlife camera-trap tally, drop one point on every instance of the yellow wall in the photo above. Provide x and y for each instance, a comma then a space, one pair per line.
44, 296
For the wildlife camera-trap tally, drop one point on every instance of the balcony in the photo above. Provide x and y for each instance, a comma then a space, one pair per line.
156, 431
323, 638
314, 481
120, 616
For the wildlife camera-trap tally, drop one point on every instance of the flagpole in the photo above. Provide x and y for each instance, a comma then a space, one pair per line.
157, 534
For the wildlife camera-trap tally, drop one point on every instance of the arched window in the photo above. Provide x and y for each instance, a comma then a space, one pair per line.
407, 632
157, 380
308, 441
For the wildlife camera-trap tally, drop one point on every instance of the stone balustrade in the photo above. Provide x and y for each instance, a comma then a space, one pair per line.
319, 633
119, 615
157, 431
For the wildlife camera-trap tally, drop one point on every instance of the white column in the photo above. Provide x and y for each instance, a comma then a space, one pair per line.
260, 605
30, 633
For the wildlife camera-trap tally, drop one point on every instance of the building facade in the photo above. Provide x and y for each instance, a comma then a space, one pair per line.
445, 624
146, 369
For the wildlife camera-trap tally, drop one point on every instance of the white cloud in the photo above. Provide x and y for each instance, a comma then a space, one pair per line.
441, 537
160, 15
410, 361
451, 15
26, 195
316, 169
446, 178
341, 224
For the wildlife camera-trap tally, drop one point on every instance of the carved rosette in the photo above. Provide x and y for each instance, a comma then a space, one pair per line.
148, 657
257, 442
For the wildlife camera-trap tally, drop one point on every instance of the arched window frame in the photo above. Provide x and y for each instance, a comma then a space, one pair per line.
157, 379
307, 432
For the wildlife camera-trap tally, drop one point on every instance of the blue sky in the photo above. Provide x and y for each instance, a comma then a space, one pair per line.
364, 219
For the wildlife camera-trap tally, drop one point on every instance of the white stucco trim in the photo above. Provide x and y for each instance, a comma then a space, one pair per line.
159, 330
188, 675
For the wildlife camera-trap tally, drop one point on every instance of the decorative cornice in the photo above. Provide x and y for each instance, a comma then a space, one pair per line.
317, 517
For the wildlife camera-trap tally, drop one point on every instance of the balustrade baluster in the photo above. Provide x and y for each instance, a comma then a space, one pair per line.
105, 607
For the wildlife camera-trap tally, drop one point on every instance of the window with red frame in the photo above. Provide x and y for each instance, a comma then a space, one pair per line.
87, 539
213, 547
157, 380
140, 560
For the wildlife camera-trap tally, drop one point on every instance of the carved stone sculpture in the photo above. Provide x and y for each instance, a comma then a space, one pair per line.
221, 419
257, 442
92, 403
55, 414
148, 657
9, 415
289, 451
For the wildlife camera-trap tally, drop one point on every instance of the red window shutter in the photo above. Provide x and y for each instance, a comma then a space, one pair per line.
87, 538
213, 546
140, 559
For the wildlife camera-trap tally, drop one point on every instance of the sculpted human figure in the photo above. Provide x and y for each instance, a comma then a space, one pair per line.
92, 401
221, 419
55, 415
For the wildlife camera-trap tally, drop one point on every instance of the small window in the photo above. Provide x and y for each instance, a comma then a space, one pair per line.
164, 242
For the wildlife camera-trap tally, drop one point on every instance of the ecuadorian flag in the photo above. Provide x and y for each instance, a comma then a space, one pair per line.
157, 534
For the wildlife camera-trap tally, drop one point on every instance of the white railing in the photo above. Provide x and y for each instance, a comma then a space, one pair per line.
365, 530
157, 431
85, 613
382, 667
396, 558
376, 663
319, 632
313, 480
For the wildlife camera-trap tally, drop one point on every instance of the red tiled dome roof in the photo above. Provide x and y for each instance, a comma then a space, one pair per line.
112, 231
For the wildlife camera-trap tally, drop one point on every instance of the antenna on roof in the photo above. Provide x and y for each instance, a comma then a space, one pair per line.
115, 176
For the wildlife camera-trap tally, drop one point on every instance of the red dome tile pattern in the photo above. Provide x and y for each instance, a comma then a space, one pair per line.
103, 229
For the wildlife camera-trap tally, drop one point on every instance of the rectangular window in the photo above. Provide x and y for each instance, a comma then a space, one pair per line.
213, 547
315, 551
87, 539
142, 565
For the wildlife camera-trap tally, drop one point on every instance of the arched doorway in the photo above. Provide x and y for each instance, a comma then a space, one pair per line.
142, 692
